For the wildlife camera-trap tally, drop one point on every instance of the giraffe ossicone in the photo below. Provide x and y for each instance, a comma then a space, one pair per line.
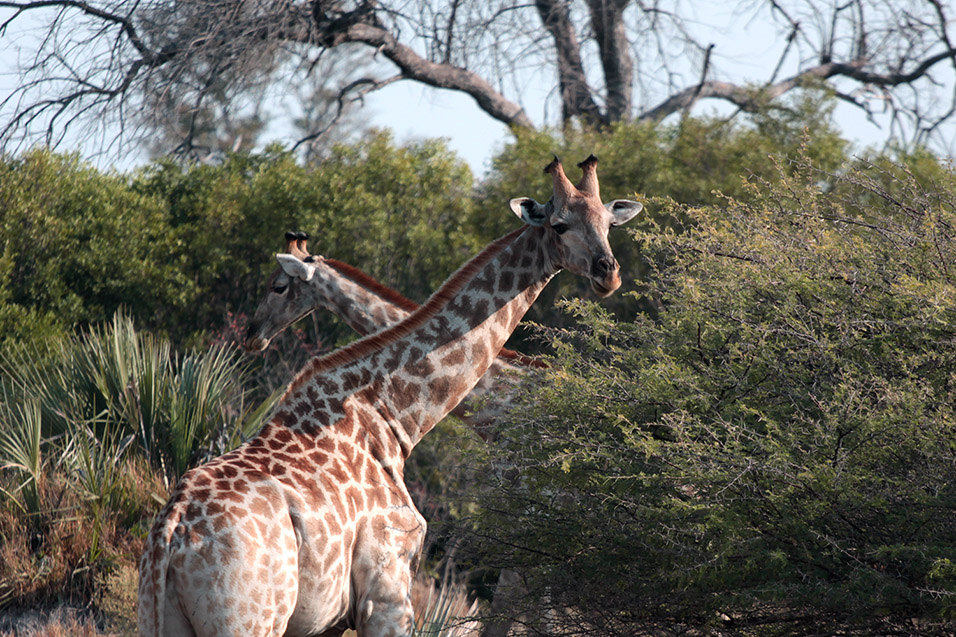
308, 529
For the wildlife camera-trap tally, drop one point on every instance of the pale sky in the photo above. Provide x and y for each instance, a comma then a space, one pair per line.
413, 111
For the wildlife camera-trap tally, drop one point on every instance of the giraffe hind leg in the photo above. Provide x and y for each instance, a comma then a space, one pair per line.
175, 623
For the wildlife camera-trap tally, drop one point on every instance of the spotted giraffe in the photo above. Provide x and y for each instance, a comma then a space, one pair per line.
368, 306
308, 529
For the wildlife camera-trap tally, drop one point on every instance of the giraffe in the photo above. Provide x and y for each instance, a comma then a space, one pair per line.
368, 306
308, 529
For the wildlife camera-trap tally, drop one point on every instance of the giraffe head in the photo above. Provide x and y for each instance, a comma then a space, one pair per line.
286, 300
577, 223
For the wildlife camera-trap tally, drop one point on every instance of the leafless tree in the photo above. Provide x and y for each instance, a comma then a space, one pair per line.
122, 62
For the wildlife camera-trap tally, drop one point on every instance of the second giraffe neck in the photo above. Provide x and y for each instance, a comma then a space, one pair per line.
363, 303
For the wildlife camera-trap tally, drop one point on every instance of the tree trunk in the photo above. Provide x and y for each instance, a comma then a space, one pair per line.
607, 20
576, 100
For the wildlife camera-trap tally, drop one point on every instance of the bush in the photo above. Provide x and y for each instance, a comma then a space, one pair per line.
395, 211
91, 437
78, 244
181, 246
692, 162
773, 443
115, 386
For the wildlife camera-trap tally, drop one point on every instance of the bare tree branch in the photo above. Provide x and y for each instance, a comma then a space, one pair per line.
414, 67
576, 97
166, 65
361, 88
749, 100
695, 95
611, 36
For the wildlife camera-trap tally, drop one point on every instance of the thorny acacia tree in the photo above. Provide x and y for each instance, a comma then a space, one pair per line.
611, 60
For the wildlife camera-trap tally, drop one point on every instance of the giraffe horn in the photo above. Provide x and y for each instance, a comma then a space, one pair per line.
301, 240
295, 244
589, 181
562, 185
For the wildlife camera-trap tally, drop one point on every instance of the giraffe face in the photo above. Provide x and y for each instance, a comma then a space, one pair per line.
286, 301
577, 225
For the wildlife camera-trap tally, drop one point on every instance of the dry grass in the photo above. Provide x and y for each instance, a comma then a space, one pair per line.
66, 558
119, 600
62, 622
44, 557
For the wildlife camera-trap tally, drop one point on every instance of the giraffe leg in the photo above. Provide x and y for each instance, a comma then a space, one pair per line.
174, 622
389, 554
387, 612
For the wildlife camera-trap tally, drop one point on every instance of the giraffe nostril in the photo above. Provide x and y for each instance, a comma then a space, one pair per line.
604, 266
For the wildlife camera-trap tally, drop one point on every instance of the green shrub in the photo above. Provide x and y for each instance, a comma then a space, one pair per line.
78, 244
773, 442
91, 437
21, 453
395, 211
691, 162
182, 246
112, 386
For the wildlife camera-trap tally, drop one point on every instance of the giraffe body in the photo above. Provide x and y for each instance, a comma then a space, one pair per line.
308, 528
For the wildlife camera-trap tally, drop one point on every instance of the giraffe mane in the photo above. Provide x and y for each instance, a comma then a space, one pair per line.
374, 342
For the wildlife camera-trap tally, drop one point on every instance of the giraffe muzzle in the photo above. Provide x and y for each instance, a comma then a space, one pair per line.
254, 341
605, 276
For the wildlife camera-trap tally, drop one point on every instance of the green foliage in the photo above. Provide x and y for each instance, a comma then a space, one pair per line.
395, 211
94, 458
20, 451
775, 440
180, 246
77, 244
224, 223
79, 428
398, 212
115, 385
184, 246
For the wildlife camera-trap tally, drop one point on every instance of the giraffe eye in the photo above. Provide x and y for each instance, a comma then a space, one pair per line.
280, 289
560, 228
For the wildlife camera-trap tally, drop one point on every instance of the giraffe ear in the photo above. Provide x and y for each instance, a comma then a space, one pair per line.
530, 211
623, 210
295, 267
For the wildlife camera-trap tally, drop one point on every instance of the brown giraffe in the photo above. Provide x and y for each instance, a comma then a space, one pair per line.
304, 283
367, 306
308, 529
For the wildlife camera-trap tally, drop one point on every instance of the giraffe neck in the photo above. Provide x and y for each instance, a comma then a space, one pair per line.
416, 372
368, 306
363, 303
